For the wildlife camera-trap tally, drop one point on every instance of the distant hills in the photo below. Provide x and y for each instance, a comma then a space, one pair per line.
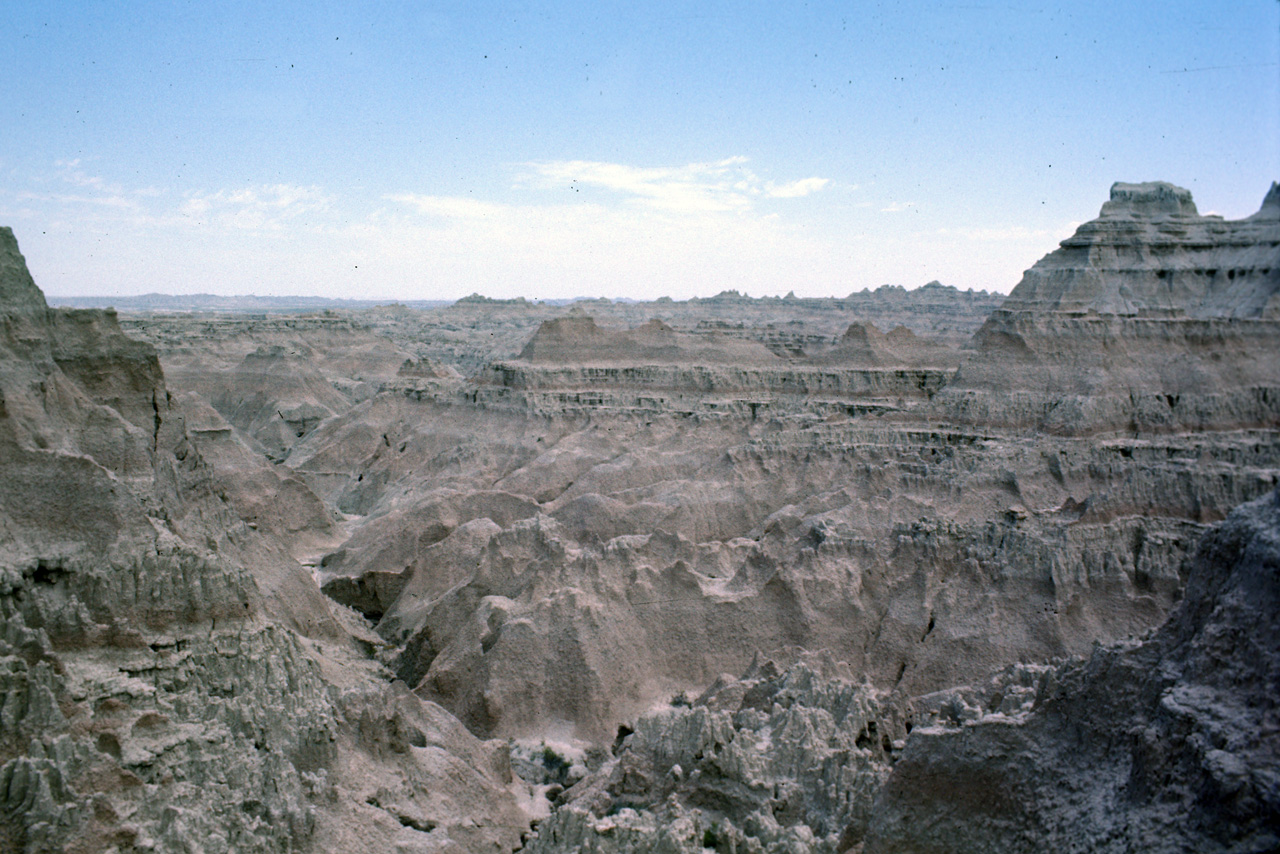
213, 302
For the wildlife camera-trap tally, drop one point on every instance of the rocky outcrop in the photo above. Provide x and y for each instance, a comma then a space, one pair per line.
1150, 318
698, 379
18, 291
577, 339
1164, 744
865, 346
170, 679
274, 378
776, 761
1167, 744
1149, 251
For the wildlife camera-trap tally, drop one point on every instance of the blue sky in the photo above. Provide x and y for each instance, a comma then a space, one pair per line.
431, 150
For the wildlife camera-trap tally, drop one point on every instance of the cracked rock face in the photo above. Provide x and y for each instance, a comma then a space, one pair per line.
770, 762
1168, 744
170, 680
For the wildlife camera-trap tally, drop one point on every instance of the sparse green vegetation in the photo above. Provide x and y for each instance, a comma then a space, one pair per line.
555, 764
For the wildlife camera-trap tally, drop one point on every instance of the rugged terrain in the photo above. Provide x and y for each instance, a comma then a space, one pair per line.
713, 569
172, 680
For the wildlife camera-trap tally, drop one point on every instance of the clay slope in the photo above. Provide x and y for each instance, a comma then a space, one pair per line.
169, 678
577, 339
559, 545
863, 345
1170, 744
273, 377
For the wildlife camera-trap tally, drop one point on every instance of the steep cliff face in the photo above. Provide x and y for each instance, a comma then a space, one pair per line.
170, 679
1165, 745
1150, 318
18, 290
1150, 251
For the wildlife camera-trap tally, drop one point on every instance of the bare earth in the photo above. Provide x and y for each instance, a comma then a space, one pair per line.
906, 571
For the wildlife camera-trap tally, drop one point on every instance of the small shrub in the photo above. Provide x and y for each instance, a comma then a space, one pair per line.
557, 766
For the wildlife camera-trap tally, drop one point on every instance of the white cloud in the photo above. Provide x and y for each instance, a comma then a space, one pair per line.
898, 207
107, 201
697, 228
796, 189
452, 207
266, 207
713, 187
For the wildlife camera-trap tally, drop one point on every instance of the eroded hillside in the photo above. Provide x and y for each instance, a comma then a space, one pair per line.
714, 569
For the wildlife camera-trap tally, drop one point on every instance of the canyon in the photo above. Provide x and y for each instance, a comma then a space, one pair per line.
908, 570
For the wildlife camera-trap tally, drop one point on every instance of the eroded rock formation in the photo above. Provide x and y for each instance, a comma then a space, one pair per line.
169, 678
1165, 744
633, 522
557, 525
1168, 744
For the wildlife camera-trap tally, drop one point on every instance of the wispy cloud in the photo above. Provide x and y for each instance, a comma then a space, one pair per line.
712, 187
696, 228
69, 172
266, 207
897, 207
102, 200
454, 207
796, 189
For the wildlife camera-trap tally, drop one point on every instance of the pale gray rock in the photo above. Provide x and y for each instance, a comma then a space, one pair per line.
1151, 251
1167, 744
563, 518
18, 290
170, 679
776, 761
1150, 319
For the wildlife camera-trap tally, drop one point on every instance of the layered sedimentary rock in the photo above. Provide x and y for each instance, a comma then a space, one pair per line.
274, 377
1150, 319
1168, 744
477, 331
656, 521
169, 678
563, 521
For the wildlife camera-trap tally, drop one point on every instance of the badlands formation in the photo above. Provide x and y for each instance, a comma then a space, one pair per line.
907, 571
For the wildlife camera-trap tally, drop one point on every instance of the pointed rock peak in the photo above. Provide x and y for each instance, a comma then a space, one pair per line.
1273, 196
1270, 205
558, 336
17, 288
861, 333
1149, 199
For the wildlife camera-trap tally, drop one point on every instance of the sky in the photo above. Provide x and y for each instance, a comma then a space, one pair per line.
429, 150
